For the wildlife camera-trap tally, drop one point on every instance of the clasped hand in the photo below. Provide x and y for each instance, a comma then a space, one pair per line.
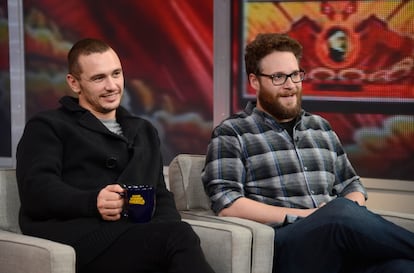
110, 202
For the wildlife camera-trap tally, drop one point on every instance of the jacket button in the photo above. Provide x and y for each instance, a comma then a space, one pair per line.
111, 162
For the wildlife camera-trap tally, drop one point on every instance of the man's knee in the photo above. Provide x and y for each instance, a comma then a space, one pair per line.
342, 202
345, 212
184, 231
343, 208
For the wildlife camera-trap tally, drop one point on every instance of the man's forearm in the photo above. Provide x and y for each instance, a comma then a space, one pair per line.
259, 212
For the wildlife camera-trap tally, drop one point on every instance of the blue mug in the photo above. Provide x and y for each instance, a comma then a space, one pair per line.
139, 203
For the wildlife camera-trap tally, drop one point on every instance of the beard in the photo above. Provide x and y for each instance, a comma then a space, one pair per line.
272, 106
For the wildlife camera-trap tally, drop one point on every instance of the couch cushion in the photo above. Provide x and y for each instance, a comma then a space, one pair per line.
21, 253
9, 201
183, 169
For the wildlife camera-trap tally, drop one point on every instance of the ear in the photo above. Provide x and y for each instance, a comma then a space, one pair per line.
73, 83
254, 82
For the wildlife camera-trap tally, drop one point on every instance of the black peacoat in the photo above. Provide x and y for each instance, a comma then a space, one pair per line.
66, 156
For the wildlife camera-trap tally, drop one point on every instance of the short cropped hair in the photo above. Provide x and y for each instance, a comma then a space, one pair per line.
85, 46
264, 44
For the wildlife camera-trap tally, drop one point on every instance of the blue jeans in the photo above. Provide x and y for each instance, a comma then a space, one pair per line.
343, 237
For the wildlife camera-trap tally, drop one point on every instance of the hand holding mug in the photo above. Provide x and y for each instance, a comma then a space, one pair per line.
110, 202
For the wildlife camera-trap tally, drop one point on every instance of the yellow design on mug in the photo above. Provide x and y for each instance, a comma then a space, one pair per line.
136, 199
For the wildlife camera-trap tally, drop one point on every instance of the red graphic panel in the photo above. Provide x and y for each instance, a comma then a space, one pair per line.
353, 50
359, 60
165, 46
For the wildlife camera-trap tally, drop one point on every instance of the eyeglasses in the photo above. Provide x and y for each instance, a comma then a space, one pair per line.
280, 78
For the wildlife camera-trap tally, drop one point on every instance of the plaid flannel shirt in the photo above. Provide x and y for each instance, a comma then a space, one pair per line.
251, 155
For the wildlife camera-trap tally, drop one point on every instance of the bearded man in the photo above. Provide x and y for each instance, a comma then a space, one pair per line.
277, 164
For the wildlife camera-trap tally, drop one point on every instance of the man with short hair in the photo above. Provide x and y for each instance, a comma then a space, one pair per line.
71, 162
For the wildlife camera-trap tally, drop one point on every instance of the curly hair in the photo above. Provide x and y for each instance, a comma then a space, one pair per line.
264, 44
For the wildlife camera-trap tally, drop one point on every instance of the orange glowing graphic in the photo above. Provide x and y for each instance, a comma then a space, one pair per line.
359, 61
352, 49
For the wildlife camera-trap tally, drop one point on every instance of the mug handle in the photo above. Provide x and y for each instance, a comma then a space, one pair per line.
124, 212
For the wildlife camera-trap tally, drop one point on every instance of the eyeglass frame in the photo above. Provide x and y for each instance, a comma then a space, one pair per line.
272, 76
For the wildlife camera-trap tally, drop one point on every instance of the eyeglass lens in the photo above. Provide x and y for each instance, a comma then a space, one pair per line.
296, 77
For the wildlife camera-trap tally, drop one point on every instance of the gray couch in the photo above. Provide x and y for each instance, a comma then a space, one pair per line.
184, 175
227, 247
231, 245
20, 253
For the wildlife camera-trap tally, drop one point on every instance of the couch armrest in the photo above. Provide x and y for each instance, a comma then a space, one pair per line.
22, 254
226, 247
405, 220
262, 246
